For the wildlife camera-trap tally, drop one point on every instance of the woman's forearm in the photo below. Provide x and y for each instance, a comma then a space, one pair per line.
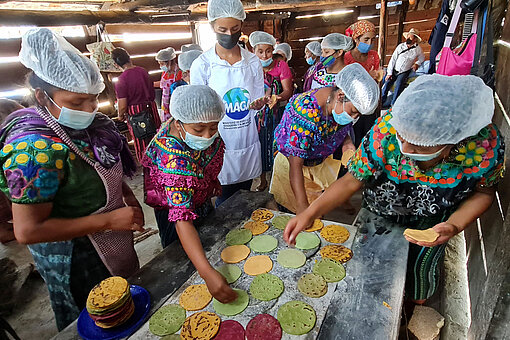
297, 182
192, 246
471, 209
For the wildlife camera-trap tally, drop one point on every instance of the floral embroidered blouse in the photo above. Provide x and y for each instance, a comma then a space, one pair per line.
183, 179
322, 78
306, 132
394, 185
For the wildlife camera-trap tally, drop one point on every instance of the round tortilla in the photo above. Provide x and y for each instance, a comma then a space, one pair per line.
230, 272
280, 222
235, 254
235, 307
256, 228
335, 233
171, 337
263, 244
427, 235
107, 293
167, 320
238, 236
195, 297
266, 287
336, 252
307, 241
263, 327
200, 326
346, 156
317, 225
312, 285
230, 330
257, 265
262, 215
296, 317
291, 258
331, 270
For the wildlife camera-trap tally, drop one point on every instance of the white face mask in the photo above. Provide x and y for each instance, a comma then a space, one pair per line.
420, 157
74, 119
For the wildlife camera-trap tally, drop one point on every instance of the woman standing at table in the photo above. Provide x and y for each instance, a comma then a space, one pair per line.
424, 171
313, 52
63, 166
278, 82
237, 76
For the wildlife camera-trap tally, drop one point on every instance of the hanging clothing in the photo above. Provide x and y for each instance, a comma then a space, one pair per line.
322, 78
397, 189
239, 85
308, 78
44, 162
438, 34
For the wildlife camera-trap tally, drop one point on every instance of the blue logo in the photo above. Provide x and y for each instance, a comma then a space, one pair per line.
237, 103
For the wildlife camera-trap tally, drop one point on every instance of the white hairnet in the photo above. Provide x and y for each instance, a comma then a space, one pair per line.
438, 110
166, 54
217, 9
261, 37
359, 87
187, 58
337, 41
191, 47
286, 49
57, 62
314, 47
196, 104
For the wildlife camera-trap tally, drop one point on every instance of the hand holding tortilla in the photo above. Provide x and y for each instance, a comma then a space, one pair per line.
438, 234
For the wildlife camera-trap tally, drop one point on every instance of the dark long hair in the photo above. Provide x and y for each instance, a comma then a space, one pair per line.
34, 82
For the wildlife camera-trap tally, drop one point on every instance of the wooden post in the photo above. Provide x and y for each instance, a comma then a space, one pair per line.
383, 20
401, 19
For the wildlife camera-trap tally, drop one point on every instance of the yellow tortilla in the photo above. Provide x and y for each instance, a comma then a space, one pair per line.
346, 156
200, 326
273, 100
335, 233
257, 265
235, 254
336, 252
256, 228
428, 235
261, 215
195, 297
107, 292
317, 225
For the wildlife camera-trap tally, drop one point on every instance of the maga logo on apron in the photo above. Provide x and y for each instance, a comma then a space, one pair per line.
237, 103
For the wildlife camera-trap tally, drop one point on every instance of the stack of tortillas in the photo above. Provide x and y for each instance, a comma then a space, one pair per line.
427, 235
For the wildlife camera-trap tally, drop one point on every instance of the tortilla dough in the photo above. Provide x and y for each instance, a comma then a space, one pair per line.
235, 254
291, 258
256, 228
336, 252
280, 222
262, 215
335, 233
317, 225
266, 287
263, 244
257, 265
231, 272
307, 241
235, 307
167, 320
428, 235
195, 297
238, 236
296, 317
200, 326
312, 285
331, 270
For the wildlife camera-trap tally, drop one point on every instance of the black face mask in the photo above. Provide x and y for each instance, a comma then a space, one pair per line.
228, 41
409, 41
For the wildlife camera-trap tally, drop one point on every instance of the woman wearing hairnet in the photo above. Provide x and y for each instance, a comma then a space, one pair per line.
237, 76
313, 126
63, 165
435, 170
334, 46
185, 60
278, 82
183, 162
313, 52
284, 50
166, 59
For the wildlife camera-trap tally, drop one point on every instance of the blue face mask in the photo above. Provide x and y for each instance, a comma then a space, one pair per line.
420, 157
342, 118
266, 63
197, 142
364, 48
310, 61
74, 119
164, 68
328, 61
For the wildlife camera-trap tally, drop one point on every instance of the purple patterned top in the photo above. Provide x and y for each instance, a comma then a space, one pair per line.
306, 132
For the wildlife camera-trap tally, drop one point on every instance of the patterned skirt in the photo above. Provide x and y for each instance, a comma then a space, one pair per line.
141, 144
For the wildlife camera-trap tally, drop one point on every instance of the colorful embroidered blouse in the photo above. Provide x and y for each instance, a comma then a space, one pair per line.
396, 186
322, 78
183, 178
306, 132
308, 78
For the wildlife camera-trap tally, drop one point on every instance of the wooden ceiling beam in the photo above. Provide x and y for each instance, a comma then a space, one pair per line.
139, 4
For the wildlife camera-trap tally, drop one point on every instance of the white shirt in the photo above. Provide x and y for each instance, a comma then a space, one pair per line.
238, 85
403, 61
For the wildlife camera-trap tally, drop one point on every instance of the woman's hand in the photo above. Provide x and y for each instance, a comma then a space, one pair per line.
258, 104
296, 225
127, 218
445, 230
348, 145
218, 287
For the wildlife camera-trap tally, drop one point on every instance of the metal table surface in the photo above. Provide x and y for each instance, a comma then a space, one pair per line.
366, 307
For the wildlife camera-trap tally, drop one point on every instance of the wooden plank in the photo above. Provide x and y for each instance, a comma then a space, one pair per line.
147, 28
383, 20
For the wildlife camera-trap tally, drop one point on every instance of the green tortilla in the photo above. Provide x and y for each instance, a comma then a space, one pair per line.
296, 317
171, 337
331, 270
233, 308
231, 272
263, 244
167, 320
307, 241
291, 258
238, 236
266, 287
280, 222
312, 285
